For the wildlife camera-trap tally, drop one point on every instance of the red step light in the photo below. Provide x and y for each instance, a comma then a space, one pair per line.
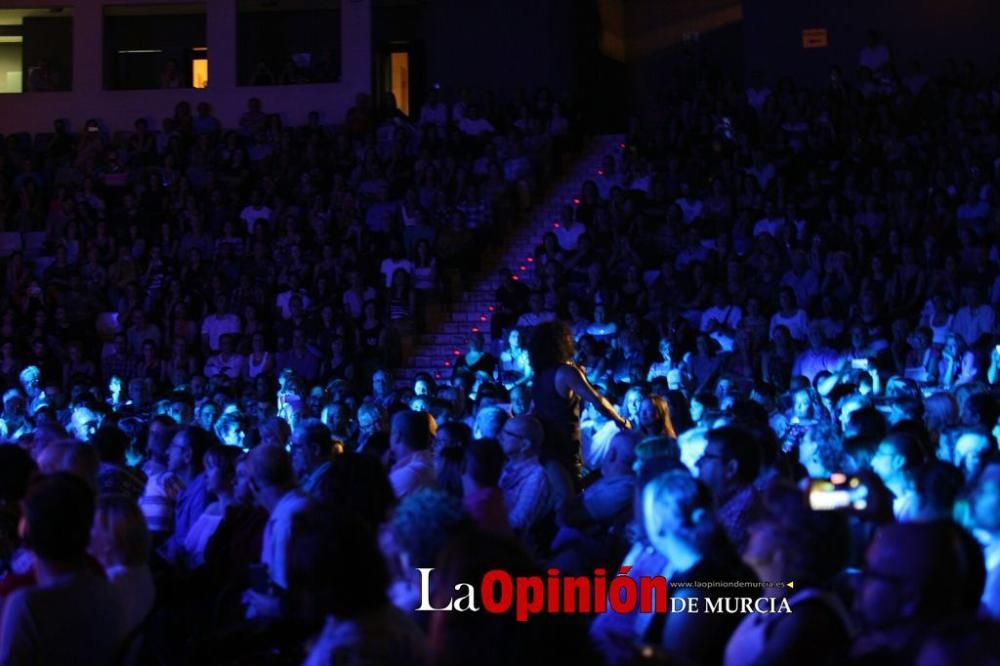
576, 201
600, 172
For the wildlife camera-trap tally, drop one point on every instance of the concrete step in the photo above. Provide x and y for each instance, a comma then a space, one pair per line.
436, 351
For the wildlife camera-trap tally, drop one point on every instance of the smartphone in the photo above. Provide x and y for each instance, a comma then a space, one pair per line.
839, 492
260, 579
860, 364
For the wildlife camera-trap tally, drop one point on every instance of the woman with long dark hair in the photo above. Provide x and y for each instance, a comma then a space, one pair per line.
558, 388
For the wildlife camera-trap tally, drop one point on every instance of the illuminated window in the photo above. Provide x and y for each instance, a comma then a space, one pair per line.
400, 66
155, 46
199, 68
36, 50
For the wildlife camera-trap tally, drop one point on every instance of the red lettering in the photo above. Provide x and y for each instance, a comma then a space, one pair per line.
491, 580
653, 589
576, 594
600, 591
618, 585
530, 597
553, 591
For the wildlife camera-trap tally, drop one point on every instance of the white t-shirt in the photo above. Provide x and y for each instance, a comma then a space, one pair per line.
569, 236
474, 127
390, 265
434, 114
874, 57
690, 208
281, 301
797, 324
215, 326
763, 175
757, 97
768, 225
251, 216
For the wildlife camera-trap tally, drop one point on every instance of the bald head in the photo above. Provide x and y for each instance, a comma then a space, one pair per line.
621, 454
530, 428
413, 430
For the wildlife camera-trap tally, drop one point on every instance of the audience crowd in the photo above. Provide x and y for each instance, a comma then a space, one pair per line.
760, 346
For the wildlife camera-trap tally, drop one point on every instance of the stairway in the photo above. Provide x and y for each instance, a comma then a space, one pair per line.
435, 351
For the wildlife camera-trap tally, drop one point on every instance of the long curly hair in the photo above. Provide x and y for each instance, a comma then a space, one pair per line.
551, 345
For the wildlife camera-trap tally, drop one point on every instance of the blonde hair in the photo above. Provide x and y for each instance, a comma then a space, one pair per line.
662, 410
122, 519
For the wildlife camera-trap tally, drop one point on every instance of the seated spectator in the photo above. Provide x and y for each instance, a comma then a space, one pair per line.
975, 318
476, 360
526, 488
119, 540
794, 543
915, 575
817, 357
272, 482
937, 485
611, 496
681, 526
227, 362
958, 364
922, 360
43, 624
896, 460
482, 465
312, 450
418, 532
489, 422
728, 467
986, 521
115, 477
654, 418
185, 460
337, 574
220, 482
790, 316
410, 440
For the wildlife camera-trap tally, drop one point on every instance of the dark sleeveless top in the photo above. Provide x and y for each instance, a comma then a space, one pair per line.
560, 416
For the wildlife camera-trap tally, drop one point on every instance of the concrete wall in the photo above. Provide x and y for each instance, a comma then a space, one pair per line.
503, 45
117, 109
